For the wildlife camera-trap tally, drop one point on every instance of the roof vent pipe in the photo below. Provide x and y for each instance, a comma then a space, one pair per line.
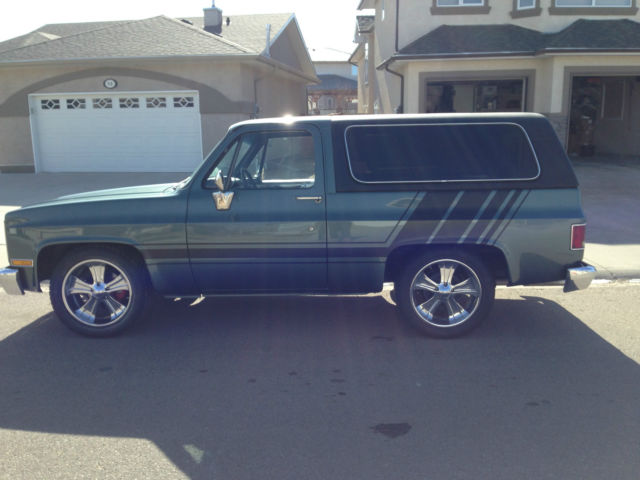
213, 19
267, 50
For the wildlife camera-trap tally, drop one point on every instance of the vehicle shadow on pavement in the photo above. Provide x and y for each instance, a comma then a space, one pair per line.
309, 387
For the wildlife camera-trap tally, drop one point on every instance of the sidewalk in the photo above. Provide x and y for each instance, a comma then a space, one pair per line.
610, 189
610, 197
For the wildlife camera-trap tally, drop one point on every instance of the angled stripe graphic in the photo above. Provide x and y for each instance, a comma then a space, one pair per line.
492, 209
477, 217
496, 216
503, 215
521, 198
446, 215
405, 218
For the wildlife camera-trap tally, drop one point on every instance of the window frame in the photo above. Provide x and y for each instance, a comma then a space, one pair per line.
593, 5
522, 12
462, 4
235, 144
441, 181
592, 9
460, 9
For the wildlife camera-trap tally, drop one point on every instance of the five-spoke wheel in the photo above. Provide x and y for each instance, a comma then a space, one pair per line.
97, 292
445, 293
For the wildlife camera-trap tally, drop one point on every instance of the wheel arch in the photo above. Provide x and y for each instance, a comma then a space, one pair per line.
50, 255
493, 257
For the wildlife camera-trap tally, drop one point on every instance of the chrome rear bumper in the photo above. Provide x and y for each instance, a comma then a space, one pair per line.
10, 281
579, 278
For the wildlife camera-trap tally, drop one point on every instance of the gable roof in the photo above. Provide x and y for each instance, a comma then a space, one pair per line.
249, 30
334, 82
505, 40
139, 38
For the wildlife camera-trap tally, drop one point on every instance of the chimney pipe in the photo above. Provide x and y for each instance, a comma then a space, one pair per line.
213, 19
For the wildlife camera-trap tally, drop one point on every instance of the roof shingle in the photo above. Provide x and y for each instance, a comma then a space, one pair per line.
470, 40
152, 37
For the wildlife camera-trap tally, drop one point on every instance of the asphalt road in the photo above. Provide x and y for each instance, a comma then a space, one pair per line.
326, 388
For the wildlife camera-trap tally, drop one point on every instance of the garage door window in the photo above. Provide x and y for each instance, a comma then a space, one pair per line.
76, 104
102, 103
129, 103
156, 102
183, 102
50, 104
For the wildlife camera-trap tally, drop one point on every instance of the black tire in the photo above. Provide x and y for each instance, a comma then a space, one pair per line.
98, 292
445, 293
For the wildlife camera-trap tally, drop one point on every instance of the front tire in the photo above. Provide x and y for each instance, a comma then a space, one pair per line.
446, 293
98, 292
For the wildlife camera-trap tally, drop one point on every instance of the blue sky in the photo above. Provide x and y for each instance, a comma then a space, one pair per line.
324, 23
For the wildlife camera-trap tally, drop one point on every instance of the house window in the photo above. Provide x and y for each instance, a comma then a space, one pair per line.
457, 7
593, 3
460, 3
476, 96
526, 4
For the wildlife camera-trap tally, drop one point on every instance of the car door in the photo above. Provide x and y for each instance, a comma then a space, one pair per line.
269, 235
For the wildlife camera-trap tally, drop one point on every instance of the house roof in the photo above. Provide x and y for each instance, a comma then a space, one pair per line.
486, 40
365, 23
447, 40
152, 37
334, 82
140, 38
249, 30
597, 35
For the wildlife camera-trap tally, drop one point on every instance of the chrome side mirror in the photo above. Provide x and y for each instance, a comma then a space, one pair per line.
219, 181
222, 199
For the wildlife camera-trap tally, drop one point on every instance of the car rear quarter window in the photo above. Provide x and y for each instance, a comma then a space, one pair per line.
440, 153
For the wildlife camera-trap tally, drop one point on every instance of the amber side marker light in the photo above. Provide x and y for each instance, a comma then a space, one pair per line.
21, 263
577, 236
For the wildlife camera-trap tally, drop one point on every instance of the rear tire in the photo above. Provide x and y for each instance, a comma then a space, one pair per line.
445, 293
98, 292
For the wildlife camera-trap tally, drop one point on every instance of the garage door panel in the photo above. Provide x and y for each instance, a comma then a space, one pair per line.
125, 132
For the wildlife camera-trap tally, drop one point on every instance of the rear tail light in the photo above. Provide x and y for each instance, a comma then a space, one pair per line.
577, 236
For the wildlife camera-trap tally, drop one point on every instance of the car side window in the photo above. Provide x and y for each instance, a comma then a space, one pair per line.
268, 160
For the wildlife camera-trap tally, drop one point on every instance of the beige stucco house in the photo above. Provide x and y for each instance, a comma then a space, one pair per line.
145, 95
576, 61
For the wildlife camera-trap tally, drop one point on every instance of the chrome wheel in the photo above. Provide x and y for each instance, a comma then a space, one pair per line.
445, 293
96, 293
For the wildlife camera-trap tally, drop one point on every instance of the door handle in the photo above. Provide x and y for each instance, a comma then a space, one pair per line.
317, 199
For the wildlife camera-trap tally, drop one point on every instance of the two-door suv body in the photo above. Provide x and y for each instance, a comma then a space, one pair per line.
443, 206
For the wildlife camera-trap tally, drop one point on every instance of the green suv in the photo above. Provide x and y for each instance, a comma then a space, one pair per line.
443, 206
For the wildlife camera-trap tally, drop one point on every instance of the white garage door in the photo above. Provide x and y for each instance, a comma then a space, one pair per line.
125, 132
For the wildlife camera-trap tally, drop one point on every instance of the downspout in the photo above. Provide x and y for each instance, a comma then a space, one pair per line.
399, 108
397, 23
